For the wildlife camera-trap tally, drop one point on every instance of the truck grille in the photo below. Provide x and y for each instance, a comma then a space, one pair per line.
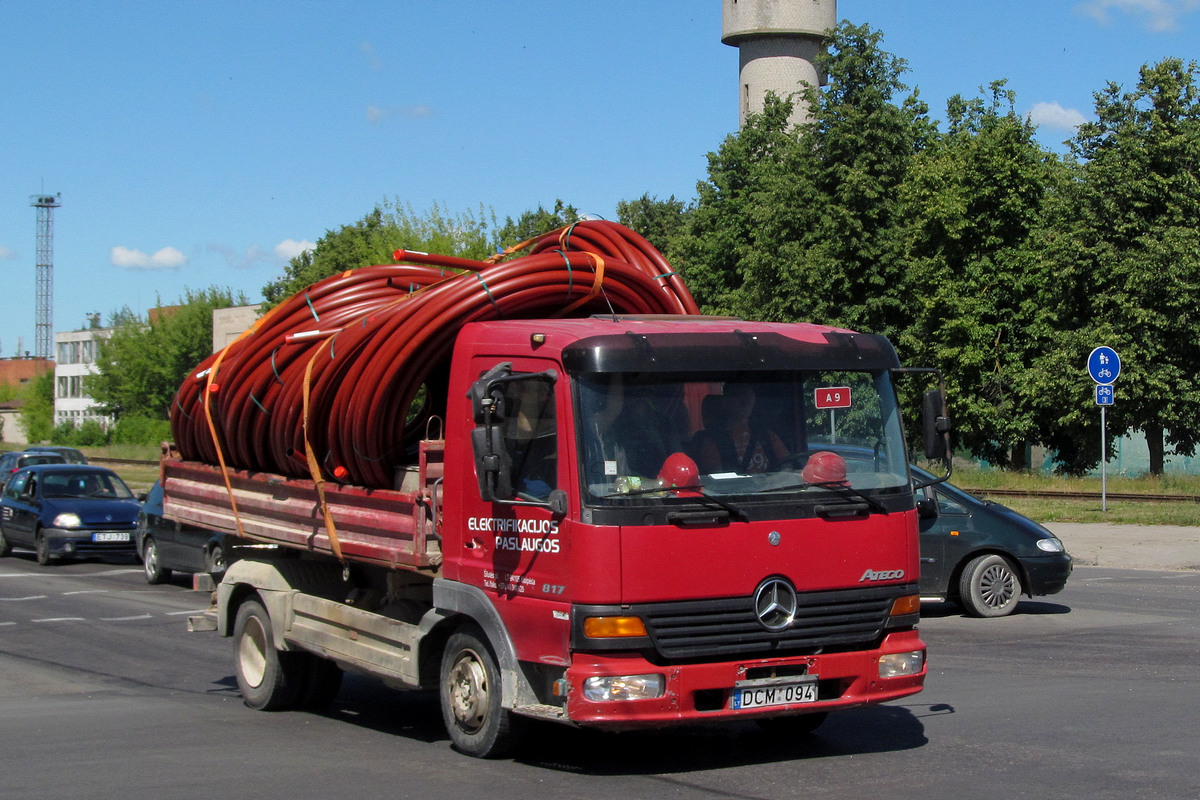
836, 619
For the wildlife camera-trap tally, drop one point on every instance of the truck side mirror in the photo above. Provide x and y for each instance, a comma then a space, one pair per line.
493, 403
935, 424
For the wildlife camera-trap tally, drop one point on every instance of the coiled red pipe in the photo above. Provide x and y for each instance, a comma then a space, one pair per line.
359, 347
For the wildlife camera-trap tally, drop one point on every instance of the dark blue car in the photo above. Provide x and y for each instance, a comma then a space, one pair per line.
983, 555
66, 510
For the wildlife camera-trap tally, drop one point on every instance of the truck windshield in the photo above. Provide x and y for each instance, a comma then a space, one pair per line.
753, 435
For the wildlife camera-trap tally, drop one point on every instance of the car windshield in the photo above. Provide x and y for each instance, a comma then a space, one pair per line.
753, 435
84, 484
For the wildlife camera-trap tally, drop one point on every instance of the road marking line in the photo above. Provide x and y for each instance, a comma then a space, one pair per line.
60, 619
124, 619
86, 591
19, 599
181, 613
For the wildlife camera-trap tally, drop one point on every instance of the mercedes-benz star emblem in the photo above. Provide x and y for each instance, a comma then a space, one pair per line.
775, 604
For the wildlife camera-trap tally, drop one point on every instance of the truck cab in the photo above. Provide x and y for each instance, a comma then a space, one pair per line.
683, 519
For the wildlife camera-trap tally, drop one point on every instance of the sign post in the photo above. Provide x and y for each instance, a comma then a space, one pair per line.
1104, 365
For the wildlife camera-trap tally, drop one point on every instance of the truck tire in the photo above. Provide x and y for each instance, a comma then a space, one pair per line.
155, 571
269, 680
470, 695
989, 586
214, 562
322, 682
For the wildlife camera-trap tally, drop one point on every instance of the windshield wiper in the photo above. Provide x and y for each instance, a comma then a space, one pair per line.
736, 512
872, 503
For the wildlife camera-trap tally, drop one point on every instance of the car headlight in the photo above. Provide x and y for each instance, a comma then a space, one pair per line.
604, 688
67, 520
1051, 545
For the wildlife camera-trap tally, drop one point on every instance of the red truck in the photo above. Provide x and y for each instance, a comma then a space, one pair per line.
594, 539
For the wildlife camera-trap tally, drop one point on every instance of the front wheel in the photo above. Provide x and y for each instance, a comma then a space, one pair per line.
469, 690
5, 545
215, 562
989, 587
269, 680
155, 571
42, 548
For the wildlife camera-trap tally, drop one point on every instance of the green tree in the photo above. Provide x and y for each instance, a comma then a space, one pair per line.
372, 240
1127, 267
719, 231
973, 199
657, 220
37, 415
141, 365
534, 223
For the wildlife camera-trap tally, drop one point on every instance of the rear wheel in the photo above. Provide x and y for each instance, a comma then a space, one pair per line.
5, 546
155, 571
470, 697
322, 682
989, 587
269, 680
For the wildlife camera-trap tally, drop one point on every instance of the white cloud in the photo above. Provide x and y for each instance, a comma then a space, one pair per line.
377, 114
368, 50
7, 253
290, 248
166, 258
1158, 16
1054, 116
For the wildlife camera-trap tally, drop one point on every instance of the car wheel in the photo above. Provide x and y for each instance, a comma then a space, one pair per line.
989, 587
155, 571
269, 680
5, 546
42, 547
215, 562
469, 690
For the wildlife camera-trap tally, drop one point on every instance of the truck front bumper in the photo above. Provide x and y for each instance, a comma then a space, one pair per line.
705, 692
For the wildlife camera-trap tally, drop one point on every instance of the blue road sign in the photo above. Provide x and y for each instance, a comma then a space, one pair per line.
1104, 394
1104, 365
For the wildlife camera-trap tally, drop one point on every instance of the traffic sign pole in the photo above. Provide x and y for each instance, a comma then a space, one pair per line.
1104, 365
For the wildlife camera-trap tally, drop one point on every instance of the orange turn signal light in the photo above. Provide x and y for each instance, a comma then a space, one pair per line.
613, 627
909, 604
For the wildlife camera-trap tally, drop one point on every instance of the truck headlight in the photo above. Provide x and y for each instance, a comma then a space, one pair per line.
67, 520
605, 688
895, 665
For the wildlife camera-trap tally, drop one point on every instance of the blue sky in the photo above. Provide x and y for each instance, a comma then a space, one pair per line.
202, 143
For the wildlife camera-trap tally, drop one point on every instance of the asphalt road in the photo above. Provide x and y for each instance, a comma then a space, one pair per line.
1090, 693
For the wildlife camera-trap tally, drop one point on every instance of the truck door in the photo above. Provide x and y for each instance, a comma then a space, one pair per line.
513, 547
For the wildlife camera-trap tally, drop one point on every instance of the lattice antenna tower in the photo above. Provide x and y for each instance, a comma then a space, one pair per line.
44, 327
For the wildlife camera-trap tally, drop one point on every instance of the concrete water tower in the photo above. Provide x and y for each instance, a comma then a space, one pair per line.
777, 42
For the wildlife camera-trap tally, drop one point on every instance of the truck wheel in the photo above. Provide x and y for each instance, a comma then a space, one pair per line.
268, 679
470, 698
155, 571
5, 545
322, 682
989, 587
